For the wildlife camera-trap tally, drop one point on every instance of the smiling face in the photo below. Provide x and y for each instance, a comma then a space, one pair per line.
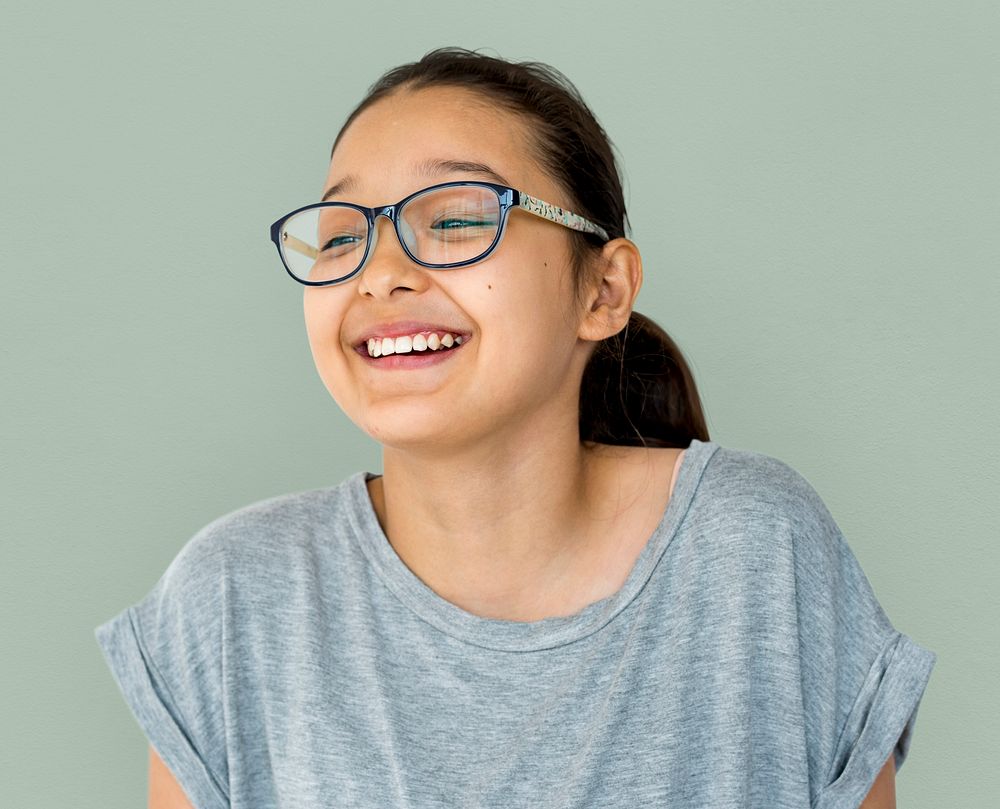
520, 360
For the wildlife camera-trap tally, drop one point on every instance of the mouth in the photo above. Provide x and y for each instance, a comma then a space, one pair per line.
411, 350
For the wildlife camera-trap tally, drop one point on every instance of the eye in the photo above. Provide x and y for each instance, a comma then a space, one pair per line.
455, 222
340, 241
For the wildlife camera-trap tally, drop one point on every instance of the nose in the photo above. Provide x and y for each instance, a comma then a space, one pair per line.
388, 268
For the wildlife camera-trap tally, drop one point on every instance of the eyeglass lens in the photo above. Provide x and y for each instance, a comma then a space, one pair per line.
441, 227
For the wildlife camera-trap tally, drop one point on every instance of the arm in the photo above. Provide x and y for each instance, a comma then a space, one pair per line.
166, 793
883, 792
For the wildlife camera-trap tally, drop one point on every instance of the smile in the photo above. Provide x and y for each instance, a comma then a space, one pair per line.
410, 351
404, 344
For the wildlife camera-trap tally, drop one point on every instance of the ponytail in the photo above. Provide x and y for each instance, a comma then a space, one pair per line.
637, 390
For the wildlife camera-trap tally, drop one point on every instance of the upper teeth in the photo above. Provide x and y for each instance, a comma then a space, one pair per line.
381, 346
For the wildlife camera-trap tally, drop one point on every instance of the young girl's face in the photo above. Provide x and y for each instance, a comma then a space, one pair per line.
520, 360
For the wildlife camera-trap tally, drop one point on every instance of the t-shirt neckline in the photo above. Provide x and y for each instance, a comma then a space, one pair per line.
520, 636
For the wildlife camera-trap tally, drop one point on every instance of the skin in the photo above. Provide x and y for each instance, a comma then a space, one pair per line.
487, 493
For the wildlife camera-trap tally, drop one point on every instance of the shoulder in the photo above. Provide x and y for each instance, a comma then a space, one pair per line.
266, 534
768, 512
765, 515
751, 488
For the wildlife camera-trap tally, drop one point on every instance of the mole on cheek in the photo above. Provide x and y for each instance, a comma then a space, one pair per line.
489, 286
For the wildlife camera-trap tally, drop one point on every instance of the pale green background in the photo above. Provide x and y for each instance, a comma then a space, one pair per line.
813, 186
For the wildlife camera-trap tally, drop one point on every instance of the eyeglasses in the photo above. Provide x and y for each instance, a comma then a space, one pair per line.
442, 227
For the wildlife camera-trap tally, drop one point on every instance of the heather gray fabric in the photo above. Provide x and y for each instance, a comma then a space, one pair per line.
288, 657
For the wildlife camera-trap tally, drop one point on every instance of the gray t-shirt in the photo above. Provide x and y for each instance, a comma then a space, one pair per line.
288, 657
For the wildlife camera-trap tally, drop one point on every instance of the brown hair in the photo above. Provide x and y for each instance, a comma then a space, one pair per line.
637, 387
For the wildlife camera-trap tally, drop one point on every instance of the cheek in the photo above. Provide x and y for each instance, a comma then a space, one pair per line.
526, 320
323, 309
523, 272
535, 299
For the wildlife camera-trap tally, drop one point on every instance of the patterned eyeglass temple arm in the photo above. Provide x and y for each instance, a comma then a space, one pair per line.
556, 214
298, 245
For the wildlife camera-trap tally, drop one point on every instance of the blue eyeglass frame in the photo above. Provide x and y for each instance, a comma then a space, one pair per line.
508, 197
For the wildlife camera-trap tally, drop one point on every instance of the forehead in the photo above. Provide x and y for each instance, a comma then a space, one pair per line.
388, 148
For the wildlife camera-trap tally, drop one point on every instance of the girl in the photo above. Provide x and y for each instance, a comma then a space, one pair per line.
559, 592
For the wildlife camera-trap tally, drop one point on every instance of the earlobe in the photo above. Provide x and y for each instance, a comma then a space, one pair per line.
613, 292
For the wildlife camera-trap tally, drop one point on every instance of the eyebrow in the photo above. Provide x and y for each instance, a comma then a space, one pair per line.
428, 167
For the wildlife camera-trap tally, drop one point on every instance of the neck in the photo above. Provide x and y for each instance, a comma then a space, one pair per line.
499, 528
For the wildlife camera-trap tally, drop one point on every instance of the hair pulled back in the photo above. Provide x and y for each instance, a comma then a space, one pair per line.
637, 388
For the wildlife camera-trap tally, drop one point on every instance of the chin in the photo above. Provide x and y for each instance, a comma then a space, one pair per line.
409, 428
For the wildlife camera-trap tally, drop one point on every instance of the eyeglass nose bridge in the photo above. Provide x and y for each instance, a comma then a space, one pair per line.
388, 211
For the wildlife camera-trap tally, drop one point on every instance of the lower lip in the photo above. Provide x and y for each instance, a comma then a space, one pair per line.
414, 359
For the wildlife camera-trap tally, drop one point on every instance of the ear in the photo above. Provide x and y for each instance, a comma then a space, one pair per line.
611, 294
